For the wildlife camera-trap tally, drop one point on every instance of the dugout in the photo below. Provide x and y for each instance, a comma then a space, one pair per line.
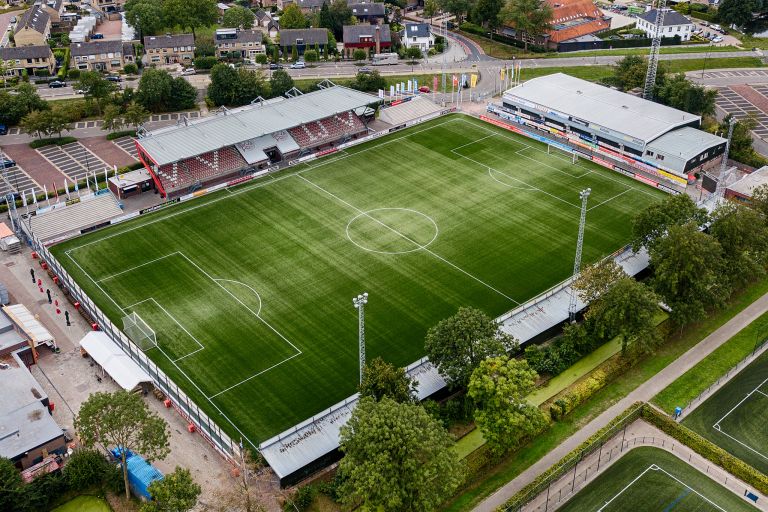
114, 362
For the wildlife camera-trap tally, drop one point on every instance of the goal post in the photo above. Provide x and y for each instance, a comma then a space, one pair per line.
559, 152
139, 331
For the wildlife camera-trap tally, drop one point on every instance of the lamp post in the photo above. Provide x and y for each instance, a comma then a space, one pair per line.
359, 302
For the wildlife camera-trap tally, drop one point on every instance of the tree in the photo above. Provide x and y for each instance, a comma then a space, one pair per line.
652, 223
250, 85
190, 13
457, 345
369, 82
430, 9
594, 280
459, 8
261, 59
759, 200
680, 93
359, 54
96, 87
175, 492
311, 56
687, 266
499, 386
135, 114
238, 17
131, 69
382, 379
112, 118
154, 89
294, 53
413, 53
396, 458
11, 486
145, 16
34, 123
87, 469
738, 12
293, 17
627, 309
223, 87
122, 419
280, 83
487, 13
743, 235
334, 16
629, 73
741, 142
532, 17
28, 99
56, 121
183, 95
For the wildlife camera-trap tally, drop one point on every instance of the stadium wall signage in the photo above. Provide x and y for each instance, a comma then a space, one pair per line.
159, 206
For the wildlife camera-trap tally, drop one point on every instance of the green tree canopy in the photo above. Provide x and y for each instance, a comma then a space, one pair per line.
457, 345
11, 486
223, 87
530, 16
397, 458
458, 8
499, 386
238, 17
292, 17
112, 118
739, 12
145, 16
334, 16
280, 83
629, 73
87, 469
486, 12
687, 267
136, 114
382, 379
680, 93
741, 142
311, 56
183, 95
369, 82
175, 492
652, 223
122, 419
594, 280
191, 14
251, 85
154, 89
95, 86
743, 235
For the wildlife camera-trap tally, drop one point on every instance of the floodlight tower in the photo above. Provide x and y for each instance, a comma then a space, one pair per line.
359, 302
722, 180
584, 195
653, 57
10, 197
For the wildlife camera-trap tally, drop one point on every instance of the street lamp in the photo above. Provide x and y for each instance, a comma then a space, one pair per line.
359, 302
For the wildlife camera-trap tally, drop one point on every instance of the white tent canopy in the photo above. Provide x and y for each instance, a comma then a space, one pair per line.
27, 322
113, 360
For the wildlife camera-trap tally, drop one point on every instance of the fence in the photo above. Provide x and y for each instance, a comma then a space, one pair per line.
180, 401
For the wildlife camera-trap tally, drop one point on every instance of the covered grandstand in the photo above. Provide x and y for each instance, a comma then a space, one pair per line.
194, 154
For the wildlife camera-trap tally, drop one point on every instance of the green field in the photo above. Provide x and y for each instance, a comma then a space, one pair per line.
654, 480
250, 289
735, 416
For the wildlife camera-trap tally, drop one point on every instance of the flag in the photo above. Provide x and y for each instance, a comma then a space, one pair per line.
391, 90
45, 189
381, 94
106, 176
24, 198
76, 186
501, 71
410, 86
87, 182
415, 85
473, 81
434, 82
397, 87
402, 86
56, 191
66, 187
34, 196
455, 80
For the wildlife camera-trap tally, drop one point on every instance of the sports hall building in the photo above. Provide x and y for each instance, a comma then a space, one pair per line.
660, 140
252, 139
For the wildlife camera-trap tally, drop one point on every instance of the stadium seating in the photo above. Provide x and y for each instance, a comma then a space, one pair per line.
327, 130
201, 168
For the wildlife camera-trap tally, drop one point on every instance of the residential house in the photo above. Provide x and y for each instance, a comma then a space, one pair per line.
110, 8
309, 6
54, 8
35, 60
246, 43
368, 12
33, 28
675, 24
303, 39
222, 8
101, 55
269, 24
371, 38
571, 20
169, 49
418, 35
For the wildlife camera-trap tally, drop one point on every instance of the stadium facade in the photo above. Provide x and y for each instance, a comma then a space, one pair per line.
661, 140
252, 139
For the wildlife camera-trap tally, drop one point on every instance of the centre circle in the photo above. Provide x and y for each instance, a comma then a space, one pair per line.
392, 230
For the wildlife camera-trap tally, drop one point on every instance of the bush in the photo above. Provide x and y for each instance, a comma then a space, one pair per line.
131, 68
87, 469
205, 62
124, 133
73, 74
39, 143
302, 499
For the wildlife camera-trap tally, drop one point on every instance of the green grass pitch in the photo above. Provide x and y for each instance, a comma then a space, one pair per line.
654, 480
735, 416
250, 290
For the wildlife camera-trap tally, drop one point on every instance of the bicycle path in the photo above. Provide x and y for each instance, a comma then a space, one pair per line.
642, 393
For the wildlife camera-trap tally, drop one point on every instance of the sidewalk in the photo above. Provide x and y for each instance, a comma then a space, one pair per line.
643, 393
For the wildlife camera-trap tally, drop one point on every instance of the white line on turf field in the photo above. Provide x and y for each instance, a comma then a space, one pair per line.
652, 467
202, 347
247, 286
137, 266
764, 394
719, 427
608, 200
253, 376
490, 173
425, 249
573, 176
673, 477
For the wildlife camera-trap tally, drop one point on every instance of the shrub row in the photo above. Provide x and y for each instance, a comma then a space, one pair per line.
124, 133
706, 449
704, 15
58, 141
480, 31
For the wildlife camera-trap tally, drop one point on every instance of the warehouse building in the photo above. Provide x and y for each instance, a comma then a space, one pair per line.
647, 135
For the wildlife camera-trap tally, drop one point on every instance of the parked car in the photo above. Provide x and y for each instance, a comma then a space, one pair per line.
56, 84
424, 89
365, 70
114, 78
704, 23
189, 71
6, 162
718, 39
97, 35
716, 27
298, 65
3, 129
14, 19
274, 65
79, 91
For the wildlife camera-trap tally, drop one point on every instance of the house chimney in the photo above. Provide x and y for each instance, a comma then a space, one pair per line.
377, 38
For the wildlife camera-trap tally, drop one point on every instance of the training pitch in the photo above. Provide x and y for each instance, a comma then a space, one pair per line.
653, 480
735, 416
250, 290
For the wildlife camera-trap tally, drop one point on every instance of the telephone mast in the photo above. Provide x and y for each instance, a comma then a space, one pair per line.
584, 195
653, 57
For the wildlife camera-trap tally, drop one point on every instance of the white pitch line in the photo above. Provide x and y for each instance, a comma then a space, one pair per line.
719, 427
425, 249
652, 467
673, 477
609, 200
137, 266
247, 286
254, 376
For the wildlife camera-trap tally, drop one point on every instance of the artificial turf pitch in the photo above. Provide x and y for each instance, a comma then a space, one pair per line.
735, 416
249, 290
649, 479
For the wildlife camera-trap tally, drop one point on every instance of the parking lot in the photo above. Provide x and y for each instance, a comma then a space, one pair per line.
128, 145
17, 178
731, 102
73, 159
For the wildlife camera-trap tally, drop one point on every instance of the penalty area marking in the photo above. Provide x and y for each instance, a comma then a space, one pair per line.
418, 247
719, 428
494, 178
169, 315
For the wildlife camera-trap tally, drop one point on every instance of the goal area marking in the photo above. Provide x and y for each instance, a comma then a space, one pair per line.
655, 467
139, 331
719, 427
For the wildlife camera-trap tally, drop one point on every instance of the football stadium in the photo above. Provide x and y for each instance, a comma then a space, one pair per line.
238, 285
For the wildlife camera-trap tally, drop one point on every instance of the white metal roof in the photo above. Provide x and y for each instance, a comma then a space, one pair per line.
685, 142
27, 322
115, 362
176, 143
605, 107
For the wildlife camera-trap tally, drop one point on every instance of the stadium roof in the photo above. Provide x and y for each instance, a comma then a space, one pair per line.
620, 112
168, 145
685, 142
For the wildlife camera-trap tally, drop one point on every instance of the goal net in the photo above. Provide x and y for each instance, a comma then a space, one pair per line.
562, 153
139, 331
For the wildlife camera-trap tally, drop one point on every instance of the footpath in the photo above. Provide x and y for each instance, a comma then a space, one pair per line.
643, 393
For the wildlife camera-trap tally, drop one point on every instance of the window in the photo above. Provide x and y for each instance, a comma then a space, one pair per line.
649, 153
299, 41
